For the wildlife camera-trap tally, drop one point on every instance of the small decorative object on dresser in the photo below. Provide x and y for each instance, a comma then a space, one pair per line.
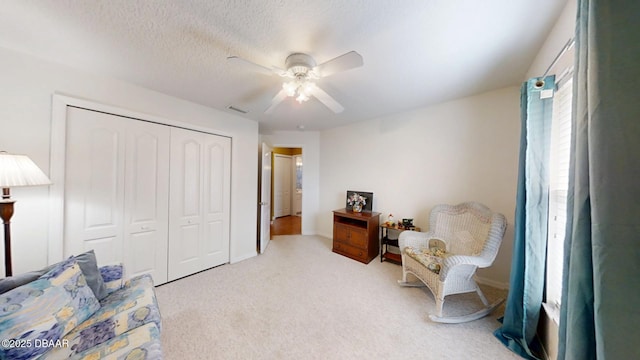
358, 201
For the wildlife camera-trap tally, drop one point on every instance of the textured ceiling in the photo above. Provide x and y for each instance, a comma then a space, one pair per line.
416, 53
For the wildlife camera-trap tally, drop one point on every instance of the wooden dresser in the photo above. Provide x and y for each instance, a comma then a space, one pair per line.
356, 235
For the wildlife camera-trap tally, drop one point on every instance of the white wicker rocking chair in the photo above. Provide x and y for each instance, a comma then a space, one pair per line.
468, 236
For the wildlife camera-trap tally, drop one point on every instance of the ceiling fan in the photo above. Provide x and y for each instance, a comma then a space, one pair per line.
301, 72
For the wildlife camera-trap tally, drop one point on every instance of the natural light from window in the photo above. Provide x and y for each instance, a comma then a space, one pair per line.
558, 188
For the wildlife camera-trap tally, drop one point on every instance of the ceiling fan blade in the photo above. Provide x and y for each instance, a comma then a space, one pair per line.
343, 62
276, 101
250, 65
281, 72
326, 99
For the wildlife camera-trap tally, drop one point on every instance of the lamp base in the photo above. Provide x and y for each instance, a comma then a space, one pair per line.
6, 212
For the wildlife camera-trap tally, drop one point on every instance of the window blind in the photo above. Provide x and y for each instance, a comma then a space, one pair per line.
558, 187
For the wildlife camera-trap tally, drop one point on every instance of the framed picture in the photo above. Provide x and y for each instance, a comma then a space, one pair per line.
367, 195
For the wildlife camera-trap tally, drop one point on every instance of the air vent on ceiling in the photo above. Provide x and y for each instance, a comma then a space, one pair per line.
231, 107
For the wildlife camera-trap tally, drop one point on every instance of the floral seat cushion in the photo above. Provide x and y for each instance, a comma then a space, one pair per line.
431, 258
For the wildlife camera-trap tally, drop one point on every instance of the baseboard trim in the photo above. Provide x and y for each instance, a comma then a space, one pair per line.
492, 283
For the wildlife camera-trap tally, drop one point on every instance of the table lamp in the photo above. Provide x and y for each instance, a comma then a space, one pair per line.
15, 170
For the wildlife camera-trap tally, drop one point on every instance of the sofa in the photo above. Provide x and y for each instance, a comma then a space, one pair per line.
77, 310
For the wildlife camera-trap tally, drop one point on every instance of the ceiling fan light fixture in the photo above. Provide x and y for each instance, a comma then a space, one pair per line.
305, 91
301, 87
290, 87
302, 97
307, 87
301, 71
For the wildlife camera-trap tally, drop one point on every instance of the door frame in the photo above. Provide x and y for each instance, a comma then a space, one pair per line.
294, 180
58, 154
264, 196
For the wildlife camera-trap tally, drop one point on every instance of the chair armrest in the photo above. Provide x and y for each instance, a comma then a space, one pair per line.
416, 239
455, 260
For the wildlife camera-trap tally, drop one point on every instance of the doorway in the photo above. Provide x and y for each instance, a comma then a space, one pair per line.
287, 191
287, 225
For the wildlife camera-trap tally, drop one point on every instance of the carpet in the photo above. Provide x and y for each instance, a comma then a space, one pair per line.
299, 300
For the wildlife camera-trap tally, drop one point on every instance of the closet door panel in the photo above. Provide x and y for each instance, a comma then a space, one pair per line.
144, 171
189, 240
217, 190
146, 199
185, 193
200, 195
141, 254
94, 186
213, 243
107, 248
116, 191
103, 179
191, 162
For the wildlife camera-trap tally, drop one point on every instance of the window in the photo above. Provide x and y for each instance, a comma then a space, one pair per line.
558, 188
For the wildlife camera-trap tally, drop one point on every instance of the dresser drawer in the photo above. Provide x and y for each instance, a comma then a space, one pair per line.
350, 251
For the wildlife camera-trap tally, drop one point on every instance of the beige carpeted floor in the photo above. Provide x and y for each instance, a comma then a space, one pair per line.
301, 301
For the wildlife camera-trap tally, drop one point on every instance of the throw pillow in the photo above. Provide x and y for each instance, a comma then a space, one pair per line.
89, 266
35, 316
113, 277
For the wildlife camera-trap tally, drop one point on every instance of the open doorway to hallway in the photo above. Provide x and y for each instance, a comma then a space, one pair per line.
287, 225
286, 191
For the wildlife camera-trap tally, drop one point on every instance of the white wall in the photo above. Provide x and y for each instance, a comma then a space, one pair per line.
25, 123
562, 31
457, 151
309, 141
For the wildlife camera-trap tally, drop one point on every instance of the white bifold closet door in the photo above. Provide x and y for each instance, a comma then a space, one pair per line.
116, 185
199, 202
151, 196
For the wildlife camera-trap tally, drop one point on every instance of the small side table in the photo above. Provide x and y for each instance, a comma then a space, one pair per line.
385, 242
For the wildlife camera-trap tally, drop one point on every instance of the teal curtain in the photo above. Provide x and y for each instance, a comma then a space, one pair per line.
532, 205
600, 311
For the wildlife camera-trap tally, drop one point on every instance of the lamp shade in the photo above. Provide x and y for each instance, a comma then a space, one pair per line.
19, 170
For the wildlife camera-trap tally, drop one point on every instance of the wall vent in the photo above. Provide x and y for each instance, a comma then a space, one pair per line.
231, 107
